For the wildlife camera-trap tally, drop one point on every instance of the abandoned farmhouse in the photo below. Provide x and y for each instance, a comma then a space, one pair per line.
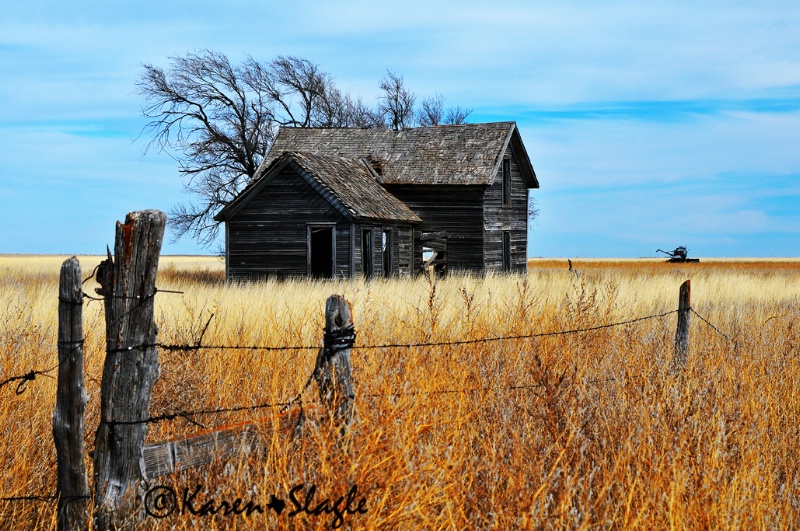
340, 203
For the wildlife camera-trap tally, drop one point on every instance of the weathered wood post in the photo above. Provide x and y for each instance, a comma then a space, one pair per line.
131, 367
332, 371
682, 333
68, 424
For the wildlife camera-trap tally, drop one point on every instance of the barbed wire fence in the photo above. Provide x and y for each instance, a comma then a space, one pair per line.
31, 375
126, 298
191, 415
345, 341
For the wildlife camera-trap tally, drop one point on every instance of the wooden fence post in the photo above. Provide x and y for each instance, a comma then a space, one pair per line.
682, 333
332, 371
131, 368
333, 376
68, 423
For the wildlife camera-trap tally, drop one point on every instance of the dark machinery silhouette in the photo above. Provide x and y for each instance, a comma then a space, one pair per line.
680, 254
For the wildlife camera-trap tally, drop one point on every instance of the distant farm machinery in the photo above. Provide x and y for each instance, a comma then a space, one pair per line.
679, 255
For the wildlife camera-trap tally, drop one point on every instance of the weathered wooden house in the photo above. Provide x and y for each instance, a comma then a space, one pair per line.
335, 203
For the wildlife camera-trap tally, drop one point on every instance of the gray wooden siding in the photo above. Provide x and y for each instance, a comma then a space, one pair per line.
343, 265
402, 249
512, 217
456, 210
404, 245
269, 236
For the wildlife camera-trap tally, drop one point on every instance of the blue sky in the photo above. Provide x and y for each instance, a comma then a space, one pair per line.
650, 124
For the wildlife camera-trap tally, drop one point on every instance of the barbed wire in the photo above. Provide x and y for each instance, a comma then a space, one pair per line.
347, 342
43, 498
31, 375
199, 346
516, 336
706, 321
191, 347
136, 297
27, 377
30, 498
343, 341
186, 414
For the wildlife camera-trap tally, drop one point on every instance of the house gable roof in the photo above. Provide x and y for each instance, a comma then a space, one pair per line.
348, 184
468, 154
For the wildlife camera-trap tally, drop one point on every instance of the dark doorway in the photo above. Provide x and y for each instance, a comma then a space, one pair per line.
367, 253
321, 252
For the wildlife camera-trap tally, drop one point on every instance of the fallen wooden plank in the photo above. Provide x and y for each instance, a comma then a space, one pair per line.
172, 456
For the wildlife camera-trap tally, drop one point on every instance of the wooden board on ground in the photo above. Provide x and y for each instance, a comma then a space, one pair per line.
172, 456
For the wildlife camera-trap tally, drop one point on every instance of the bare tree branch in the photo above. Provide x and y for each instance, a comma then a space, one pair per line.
396, 104
218, 120
457, 115
432, 110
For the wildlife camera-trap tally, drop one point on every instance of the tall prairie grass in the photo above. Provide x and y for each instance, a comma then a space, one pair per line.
579, 430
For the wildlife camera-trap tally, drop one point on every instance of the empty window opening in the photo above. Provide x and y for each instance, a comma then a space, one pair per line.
322, 252
434, 251
434, 260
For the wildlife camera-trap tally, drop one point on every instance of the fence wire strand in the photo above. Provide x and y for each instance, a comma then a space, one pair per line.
186, 414
29, 376
706, 321
43, 498
285, 405
190, 347
189, 414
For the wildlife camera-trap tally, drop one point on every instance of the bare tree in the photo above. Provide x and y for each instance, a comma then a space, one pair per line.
359, 115
432, 113
299, 89
218, 120
456, 115
340, 110
396, 104
533, 210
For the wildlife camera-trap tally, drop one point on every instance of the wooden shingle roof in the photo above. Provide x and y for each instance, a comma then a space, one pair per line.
348, 184
466, 154
353, 183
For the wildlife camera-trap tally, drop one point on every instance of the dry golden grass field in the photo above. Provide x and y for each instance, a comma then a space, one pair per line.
582, 430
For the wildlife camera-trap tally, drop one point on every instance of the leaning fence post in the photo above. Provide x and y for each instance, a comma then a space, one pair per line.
332, 371
127, 282
68, 424
682, 333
